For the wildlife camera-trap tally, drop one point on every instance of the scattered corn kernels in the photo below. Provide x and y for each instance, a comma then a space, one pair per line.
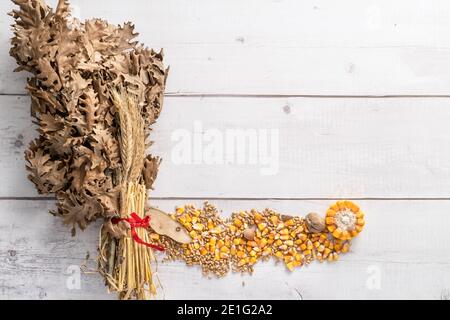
219, 245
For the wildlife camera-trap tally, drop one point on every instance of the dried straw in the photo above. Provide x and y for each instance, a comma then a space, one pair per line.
128, 266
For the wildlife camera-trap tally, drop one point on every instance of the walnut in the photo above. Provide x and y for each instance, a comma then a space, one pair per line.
315, 222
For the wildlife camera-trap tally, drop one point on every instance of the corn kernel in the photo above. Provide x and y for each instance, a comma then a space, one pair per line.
198, 226
224, 249
331, 228
180, 210
257, 217
289, 243
237, 222
252, 243
329, 220
262, 243
302, 236
193, 234
154, 236
284, 237
240, 254
284, 231
345, 248
203, 251
274, 220
290, 266
278, 254
262, 226
289, 223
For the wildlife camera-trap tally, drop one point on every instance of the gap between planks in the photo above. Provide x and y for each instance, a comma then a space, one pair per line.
249, 199
263, 96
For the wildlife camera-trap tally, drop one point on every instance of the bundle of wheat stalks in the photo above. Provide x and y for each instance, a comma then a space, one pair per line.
124, 262
95, 92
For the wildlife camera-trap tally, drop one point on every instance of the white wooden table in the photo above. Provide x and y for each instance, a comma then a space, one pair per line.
359, 92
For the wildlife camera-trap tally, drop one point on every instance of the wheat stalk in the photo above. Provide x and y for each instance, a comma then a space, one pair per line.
132, 277
126, 140
138, 138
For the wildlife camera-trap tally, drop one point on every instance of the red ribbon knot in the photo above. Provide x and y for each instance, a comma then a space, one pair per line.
137, 222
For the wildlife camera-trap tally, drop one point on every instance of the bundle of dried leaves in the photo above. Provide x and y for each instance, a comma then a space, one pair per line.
74, 66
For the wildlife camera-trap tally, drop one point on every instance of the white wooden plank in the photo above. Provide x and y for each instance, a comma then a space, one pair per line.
402, 242
326, 148
355, 47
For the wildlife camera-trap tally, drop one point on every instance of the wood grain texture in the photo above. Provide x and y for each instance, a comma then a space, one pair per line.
411, 256
328, 148
289, 47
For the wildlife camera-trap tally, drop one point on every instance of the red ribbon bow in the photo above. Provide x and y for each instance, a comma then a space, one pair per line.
137, 222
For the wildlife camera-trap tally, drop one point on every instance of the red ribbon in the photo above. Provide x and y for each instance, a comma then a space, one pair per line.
137, 222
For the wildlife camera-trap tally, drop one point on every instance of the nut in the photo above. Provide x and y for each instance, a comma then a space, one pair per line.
249, 234
315, 223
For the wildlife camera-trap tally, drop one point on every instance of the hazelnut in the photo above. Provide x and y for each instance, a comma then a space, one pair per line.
249, 234
315, 223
